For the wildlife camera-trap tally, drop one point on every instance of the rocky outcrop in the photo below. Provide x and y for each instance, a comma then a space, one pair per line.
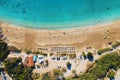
1, 34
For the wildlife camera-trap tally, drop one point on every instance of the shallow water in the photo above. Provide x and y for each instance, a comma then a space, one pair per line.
58, 14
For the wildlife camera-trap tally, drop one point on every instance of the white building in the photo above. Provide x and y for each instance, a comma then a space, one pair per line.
40, 59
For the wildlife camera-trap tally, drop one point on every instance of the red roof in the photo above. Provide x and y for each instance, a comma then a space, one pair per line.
30, 61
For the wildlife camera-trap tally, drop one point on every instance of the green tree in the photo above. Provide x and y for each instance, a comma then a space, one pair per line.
37, 52
84, 55
90, 56
100, 51
4, 52
18, 71
111, 74
98, 71
68, 64
46, 76
57, 73
116, 44
36, 76
28, 51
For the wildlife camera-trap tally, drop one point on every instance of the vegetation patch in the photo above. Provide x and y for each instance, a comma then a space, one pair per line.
102, 68
4, 52
14, 49
100, 51
17, 70
90, 56
40, 53
116, 44
84, 55
72, 56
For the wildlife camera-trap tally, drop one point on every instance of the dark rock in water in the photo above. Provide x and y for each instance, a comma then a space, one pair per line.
17, 5
23, 11
3, 2
108, 8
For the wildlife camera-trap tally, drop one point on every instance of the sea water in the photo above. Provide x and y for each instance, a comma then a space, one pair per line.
58, 14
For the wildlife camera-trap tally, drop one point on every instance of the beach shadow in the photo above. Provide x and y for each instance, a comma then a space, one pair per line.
69, 67
91, 59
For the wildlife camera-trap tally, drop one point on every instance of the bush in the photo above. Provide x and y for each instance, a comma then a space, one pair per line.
37, 52
62, 54
90, 56
4, 52
28, 51
68, 65
36, 76
18, 71
100, 51
84, 55
14, 49
45, 54
46, 76
3, 46
116, 44
74, 71
41, 53
51, 54
100, 69
72, 56
64, 69
56, 73
96, 61
111, 74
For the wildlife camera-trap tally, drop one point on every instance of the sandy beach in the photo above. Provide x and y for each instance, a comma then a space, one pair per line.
95, 36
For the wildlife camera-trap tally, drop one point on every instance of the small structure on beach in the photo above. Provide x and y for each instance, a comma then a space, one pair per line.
30, 61
35, 58
63, 49
43, 49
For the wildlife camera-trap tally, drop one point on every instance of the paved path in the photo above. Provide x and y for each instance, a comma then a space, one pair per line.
117, 76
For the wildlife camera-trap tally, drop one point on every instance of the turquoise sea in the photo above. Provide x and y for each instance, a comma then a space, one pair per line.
58, 14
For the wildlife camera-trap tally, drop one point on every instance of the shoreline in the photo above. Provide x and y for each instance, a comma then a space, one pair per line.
79, 37
66, 29
64, 26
